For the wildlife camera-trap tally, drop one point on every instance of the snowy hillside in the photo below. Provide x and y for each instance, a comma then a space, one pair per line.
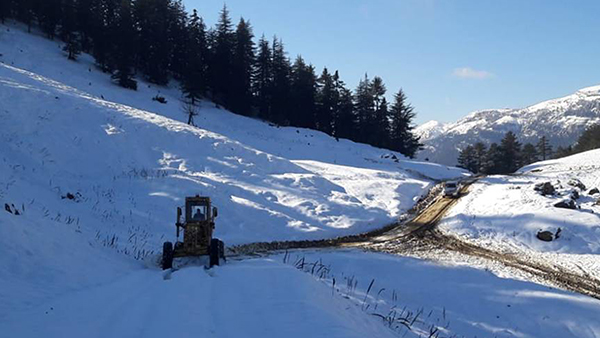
561, 121
110, 165
507, 212
132, 160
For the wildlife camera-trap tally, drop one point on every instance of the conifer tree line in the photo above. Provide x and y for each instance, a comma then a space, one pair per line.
159, 41
510, 154
503, 158
589, 140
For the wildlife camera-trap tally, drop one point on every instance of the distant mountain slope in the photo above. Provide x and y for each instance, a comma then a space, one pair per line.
560, 120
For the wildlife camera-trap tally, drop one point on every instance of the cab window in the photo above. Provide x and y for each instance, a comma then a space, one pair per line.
199, 213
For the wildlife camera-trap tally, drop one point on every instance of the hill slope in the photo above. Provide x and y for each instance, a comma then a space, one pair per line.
129, 163
560, 120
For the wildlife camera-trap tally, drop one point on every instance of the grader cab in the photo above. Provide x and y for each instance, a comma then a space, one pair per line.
197, 224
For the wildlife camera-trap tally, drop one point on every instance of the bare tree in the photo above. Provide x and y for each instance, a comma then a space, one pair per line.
190, 110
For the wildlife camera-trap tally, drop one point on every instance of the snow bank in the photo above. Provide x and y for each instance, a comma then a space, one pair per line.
506, 213
463, 301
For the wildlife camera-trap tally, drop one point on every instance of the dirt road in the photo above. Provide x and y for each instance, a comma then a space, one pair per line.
417, 236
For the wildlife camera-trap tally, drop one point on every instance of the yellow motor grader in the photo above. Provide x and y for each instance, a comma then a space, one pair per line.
198, 225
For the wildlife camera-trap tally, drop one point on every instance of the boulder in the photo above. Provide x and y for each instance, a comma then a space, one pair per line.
574, 194
545, 236
574, 182
566, 204
545, 188
593, 191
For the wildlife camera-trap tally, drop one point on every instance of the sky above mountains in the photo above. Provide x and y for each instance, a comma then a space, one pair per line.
450, 57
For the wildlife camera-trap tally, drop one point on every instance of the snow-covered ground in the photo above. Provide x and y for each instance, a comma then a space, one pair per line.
506, 213
374, 295
68, 267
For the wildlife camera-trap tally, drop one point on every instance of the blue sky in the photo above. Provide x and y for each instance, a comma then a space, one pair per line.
451, 57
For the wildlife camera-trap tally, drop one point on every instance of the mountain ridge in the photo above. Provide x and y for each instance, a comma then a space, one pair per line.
561, 120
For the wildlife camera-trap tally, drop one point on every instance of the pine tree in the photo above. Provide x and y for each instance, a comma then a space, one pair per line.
376, 124
344, 117
123, 37
303, 93
242, 69
467, 159
563, 151
364, 108
178, 38
222, 50
5, 10
280, 91
194, 80
479, 153
493, 160
544, 148
48, 14
327, 102
590, 139
152, 18
68, 29
402, 137
263, 80
102, 26
24, 12
510, 150
87, 12
529, 154
381, 125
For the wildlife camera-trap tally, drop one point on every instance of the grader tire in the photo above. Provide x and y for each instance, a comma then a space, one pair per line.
222, 251
214, 252
167, 256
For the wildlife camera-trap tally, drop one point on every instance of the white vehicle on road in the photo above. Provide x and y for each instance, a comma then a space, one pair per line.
451, 189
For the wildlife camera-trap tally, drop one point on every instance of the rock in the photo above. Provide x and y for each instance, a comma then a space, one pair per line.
576, 183
566, 204
574, 194
545, 236
557, 234
545, 188
593, 191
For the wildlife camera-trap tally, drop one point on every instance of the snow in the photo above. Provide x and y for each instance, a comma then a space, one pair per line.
69, 265
133, 160
505, 212
269, 298
128, 162
472, 302
429, 130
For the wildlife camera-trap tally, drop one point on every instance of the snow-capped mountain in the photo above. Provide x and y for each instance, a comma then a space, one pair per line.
560, 120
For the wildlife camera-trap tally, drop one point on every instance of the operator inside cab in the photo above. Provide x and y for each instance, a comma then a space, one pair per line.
199, 213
